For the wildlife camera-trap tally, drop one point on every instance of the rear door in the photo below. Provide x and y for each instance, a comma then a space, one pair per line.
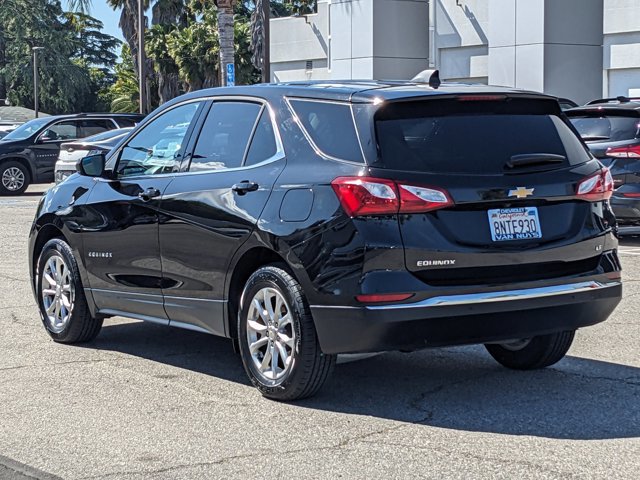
511, 167
208, 212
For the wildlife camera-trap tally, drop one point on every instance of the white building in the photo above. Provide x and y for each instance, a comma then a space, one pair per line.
580, 49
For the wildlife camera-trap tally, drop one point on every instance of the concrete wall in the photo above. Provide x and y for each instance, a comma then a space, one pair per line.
552, 46
296, 40
621, 64
460, 40
383, 39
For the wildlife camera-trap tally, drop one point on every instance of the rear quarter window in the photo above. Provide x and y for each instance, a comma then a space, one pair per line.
330, 127
443, 136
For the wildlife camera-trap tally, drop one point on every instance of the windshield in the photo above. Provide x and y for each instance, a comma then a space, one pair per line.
27, 129
606, 128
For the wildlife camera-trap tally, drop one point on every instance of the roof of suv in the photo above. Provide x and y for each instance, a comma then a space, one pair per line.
95, 115
609, 104
359, 90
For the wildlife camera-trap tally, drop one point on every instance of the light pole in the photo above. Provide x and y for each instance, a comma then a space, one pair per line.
141, 59
35, 78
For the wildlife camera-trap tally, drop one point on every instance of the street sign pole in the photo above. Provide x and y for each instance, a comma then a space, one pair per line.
142, 95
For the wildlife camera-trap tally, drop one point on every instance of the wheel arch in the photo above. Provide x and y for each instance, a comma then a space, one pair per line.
247, 262
45, 233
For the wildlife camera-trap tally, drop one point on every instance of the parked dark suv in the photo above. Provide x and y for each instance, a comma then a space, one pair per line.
29, 153
611, 129
306, 220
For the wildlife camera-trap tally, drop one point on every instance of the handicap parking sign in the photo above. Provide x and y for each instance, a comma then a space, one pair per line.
231, 74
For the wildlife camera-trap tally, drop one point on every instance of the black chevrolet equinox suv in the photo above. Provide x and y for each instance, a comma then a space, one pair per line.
29, 153
306, 220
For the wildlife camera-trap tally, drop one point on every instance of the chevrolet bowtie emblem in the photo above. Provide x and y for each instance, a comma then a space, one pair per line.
521, 192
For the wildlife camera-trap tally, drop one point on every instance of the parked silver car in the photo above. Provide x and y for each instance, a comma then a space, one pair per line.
71, 152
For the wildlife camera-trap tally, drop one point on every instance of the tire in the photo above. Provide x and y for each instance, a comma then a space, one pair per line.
14, 178
305, 368
59, 289
534, 353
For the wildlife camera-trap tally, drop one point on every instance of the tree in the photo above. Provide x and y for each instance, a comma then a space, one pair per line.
225, 35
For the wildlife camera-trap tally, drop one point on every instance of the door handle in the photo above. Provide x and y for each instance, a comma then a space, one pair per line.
148, 194
244, 187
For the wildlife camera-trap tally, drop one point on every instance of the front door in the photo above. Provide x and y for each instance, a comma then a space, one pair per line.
208, 212
120, 218
47, 147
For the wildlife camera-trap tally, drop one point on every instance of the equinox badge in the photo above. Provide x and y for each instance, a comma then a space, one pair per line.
521, 192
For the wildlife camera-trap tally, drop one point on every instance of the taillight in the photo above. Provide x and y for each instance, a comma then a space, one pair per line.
377, 196
366, 196
596, 187
415, 199
624, 152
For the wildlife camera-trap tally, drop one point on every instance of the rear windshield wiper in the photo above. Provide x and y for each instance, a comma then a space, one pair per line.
530, 159
594, 138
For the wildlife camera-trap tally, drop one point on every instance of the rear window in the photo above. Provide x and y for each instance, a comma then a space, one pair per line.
330, 127
607, 128
477, 137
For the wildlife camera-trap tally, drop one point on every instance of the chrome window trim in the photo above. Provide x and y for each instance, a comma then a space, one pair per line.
489, 297
279, 155
308, 136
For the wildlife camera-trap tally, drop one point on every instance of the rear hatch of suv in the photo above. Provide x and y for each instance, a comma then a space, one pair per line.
493, 189
613, 136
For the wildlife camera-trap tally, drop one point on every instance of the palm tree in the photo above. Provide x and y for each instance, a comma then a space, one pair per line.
225, 35
82, 6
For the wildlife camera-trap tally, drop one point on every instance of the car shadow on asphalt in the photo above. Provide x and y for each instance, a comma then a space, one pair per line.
458, 388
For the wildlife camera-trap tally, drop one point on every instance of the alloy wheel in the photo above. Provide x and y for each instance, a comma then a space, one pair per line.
57, 293
13, 179
271, 336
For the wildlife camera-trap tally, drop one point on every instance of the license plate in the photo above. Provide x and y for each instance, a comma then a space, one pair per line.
514, 224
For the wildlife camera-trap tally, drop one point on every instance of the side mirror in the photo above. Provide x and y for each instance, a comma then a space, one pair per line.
91, 165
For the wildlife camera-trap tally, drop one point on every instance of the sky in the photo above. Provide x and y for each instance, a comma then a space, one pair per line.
104, 13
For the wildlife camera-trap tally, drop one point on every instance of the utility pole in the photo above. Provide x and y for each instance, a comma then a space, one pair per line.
141, 60
36, 79
266, 63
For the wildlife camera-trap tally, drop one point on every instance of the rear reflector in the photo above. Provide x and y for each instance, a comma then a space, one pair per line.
383, 297
361, 196
596, 187
624, 152
631, 194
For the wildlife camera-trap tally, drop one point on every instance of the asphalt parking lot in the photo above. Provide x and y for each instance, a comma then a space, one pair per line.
145, 401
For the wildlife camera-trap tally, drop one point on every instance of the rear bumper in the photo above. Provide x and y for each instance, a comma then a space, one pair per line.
626, 210
465, 319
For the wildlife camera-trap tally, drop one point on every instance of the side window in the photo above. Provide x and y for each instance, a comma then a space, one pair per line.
224, 136
158, 147
95, 126
61, 131
263, 144
331, 128
126, 122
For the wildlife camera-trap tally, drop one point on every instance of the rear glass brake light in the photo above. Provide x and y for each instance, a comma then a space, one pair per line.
481, 98
624, 152
596, 187
361, 196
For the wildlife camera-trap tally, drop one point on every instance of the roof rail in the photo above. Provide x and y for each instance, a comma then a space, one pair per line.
431, 77
621, 99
